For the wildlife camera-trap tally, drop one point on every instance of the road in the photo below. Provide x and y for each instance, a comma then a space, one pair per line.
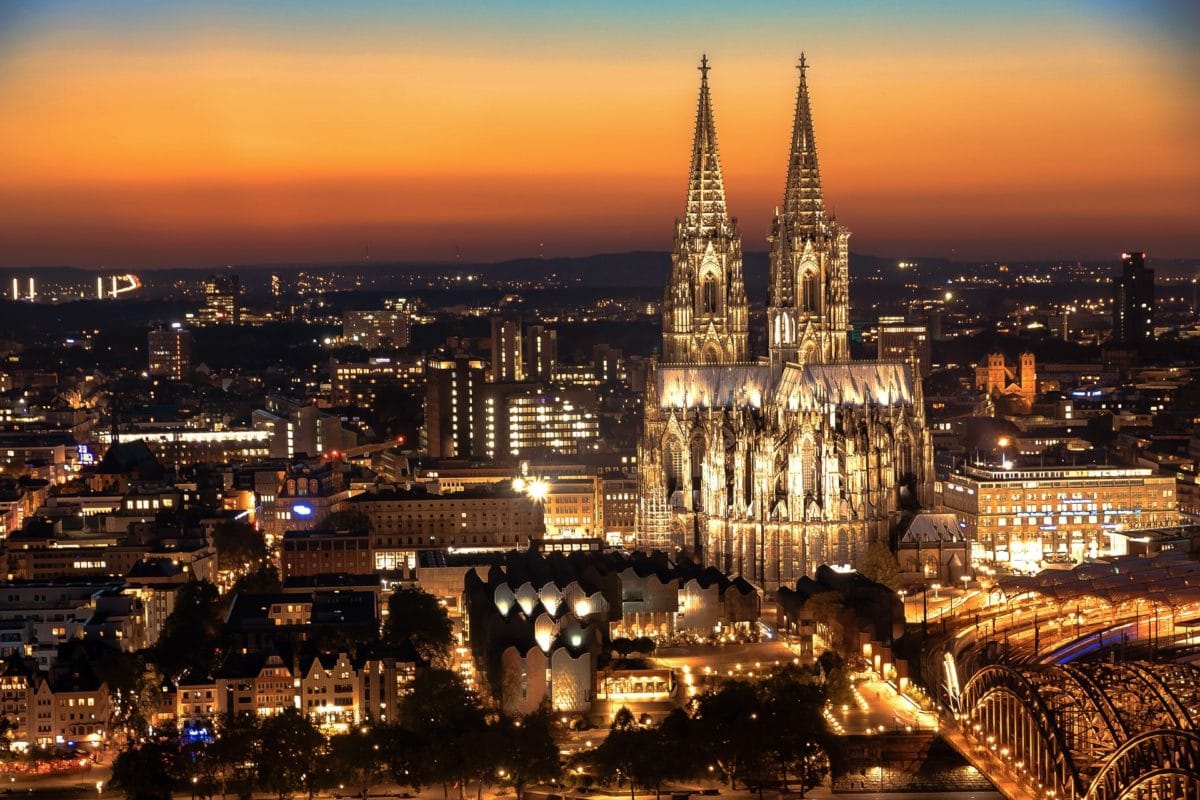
879, 708
727, 659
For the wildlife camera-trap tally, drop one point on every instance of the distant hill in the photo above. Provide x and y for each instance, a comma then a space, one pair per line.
635, 269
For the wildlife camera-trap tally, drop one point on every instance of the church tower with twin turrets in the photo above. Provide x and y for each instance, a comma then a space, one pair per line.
705, 313
808, 303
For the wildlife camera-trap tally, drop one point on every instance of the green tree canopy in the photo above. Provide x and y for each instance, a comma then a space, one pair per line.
767, 732
446, 715
191, 635
134, 685
418, 617
357, 758
264, 580
149, 769
647, 757
238, 544
230, 757
529, 753
288, 752
881, 566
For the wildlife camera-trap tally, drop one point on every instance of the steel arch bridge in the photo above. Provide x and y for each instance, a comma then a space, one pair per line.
1094, 731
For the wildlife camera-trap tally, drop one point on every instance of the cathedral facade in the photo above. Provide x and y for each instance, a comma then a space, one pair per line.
769, 466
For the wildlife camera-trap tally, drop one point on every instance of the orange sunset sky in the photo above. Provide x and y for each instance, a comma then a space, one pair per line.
139, 134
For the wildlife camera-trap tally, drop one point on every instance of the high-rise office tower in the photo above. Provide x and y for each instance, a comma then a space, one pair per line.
455, 425
507, 352
1133, 301
221, 293
899, 341
541, 352
170, 352
372, 329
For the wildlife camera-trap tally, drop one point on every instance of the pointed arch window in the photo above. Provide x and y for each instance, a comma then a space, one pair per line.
904, 459
697, 452
808, 467
708, 295
809, 289
673, 462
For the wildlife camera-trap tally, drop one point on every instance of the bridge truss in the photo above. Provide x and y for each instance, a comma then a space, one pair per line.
1094, 731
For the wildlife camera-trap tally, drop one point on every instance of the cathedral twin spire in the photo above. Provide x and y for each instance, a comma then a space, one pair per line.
706, 213
808, 305
803, 202
705, 311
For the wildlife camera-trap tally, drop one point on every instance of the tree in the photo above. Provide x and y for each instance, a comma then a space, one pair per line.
644, 645
838, 688
133, 688
881, 566
357, 758
403, 755
793, 700
649, 756
730, 722
681, 752
445, 714
531, 754
486, 744
264, 580
149, 770
623, 646
7, 728
287, 753
190, 638
232, 754
771, 731
238, 544
418, 617
627, 754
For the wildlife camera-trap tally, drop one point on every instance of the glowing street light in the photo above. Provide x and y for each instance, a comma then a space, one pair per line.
537, 490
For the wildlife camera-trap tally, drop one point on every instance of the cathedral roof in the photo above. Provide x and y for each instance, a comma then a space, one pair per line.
933, 528
800, 387
706, 214
850, 384
714, 385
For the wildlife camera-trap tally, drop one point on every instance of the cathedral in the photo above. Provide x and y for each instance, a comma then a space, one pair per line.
767, 466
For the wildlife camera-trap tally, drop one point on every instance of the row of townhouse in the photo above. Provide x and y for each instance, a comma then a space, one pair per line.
68, 707
335, 690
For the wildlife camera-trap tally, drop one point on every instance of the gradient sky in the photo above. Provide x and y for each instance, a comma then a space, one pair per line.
136, 134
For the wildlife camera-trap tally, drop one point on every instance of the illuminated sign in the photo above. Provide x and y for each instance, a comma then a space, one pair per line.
302, 510
86, 456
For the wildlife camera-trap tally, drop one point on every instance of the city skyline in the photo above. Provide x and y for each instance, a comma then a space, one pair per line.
163, 136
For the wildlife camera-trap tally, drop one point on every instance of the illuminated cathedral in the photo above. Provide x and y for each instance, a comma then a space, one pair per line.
768, 467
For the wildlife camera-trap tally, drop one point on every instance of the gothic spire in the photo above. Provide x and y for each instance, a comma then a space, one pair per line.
706, 213
803, 204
